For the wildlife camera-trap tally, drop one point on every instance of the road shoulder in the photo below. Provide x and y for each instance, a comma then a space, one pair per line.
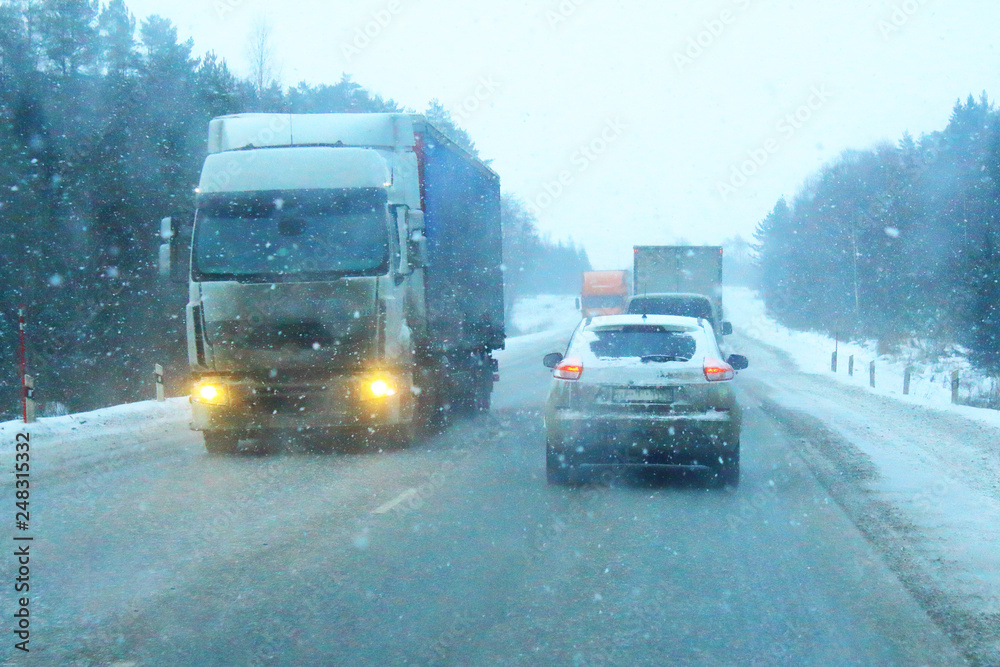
927, 567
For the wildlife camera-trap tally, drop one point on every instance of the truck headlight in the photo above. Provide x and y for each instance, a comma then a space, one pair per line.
382, 388
211, 392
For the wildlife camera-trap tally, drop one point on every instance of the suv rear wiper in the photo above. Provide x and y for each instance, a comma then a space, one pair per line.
661, 358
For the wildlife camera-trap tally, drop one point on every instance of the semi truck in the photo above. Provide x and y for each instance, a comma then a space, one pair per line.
345, 275
679, 277
603, 292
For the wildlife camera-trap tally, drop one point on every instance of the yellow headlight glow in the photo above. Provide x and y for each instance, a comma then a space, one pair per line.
381, 388
208, 392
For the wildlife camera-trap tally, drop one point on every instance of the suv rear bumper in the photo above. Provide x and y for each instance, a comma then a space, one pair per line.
651, 439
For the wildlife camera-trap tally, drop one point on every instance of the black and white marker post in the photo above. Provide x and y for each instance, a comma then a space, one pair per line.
27, 382
158, 373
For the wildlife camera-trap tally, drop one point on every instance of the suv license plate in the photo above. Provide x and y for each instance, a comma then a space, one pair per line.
643, 395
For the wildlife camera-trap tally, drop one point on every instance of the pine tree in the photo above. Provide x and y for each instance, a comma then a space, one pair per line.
218, 89
69, 31
775, 244
441, 119
118, 56
983, 336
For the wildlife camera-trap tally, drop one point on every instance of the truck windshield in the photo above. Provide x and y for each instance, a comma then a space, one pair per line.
291, 235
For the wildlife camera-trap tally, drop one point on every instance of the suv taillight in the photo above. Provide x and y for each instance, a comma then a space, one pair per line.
717, 370
568, 369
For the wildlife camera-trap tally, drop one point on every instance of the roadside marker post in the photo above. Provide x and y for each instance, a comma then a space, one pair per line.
850, 365
907, 374
27, 382
29, 399
955, 384
158, 372
871, 374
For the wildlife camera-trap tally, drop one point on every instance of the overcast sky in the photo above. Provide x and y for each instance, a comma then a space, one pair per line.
667, 97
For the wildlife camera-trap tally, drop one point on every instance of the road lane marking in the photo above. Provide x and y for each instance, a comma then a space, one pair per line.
389, 506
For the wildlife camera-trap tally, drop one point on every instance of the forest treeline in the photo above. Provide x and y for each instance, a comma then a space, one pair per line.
103, 126
897, 242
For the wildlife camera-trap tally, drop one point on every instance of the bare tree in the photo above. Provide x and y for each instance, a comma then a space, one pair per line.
260, 53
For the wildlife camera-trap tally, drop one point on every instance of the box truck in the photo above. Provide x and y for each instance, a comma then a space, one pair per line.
679, 280
603, 292
345, 273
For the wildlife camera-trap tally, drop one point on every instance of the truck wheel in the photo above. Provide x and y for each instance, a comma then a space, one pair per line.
221, 442
729, 471
400, 437
460, 406
429, 410
485, 391
266, 443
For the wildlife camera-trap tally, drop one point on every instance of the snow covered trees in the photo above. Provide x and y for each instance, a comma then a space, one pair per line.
897, 241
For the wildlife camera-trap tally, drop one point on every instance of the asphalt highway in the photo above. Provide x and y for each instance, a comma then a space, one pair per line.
456, 551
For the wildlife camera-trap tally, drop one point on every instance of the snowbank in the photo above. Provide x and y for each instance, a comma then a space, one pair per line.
544, 312
930, 383
98, 428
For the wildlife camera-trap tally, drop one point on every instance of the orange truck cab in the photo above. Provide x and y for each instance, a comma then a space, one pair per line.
603, 293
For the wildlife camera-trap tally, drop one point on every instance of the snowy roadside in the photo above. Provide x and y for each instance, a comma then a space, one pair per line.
543, 313
99, 436
930, 385
920, 476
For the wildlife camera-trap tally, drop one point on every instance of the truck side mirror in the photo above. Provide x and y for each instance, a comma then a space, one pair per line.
418, 250
416, 241
727, 328
402, 253
171, 265
167, 236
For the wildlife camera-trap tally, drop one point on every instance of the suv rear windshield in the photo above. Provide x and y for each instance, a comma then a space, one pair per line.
642, 340
682, 306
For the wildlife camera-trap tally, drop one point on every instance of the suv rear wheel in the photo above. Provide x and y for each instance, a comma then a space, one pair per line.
556, 472
729, 470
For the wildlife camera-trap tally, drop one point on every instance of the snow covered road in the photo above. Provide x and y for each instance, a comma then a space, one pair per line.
452, 552
922, 482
